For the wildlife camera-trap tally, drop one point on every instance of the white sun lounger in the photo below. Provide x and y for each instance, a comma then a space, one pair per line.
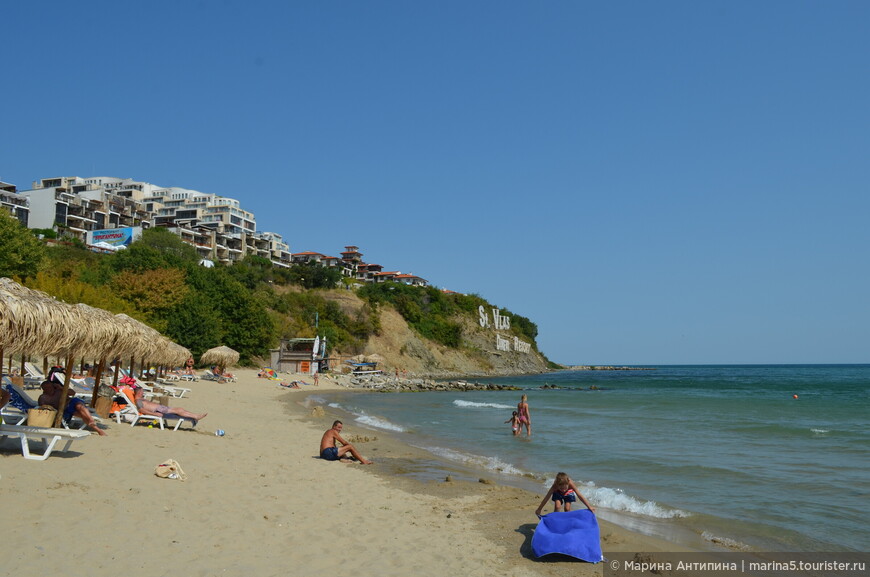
177, 392
47, 435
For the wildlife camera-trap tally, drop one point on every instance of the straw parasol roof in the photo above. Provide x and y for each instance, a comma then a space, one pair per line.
220, 356
33, 322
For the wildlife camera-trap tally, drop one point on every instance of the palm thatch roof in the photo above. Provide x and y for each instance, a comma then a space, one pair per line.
33, 322
220, 356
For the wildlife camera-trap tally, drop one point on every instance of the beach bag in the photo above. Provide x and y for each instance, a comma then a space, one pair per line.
42, 416
103, 406
170, 469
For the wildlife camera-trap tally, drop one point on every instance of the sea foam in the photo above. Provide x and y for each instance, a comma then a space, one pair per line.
379, 423
487, 463
370, 421
473, 405
617, 500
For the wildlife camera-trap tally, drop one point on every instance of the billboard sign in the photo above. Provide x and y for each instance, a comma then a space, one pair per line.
114, 237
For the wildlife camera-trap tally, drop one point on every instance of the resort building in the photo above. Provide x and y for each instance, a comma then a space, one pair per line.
218, 227
16, 204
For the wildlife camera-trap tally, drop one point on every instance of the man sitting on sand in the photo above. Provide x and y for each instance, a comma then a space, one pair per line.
156, 409
330, 450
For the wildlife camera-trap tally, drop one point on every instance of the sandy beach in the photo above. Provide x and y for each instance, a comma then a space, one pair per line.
259, 501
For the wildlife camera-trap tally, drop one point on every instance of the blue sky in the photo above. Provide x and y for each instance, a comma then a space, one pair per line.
650, 182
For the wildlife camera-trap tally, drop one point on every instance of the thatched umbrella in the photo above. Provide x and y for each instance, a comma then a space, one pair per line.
220, 356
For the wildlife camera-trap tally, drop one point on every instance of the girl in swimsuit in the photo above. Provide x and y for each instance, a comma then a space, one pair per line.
515, 423
524, 416
563, 493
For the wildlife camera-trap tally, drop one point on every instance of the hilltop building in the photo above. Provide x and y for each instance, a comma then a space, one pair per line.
14, 203
353, 266
218, 227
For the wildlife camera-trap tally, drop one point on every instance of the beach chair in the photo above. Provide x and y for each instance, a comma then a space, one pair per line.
19, 403
210, 376
20, 400
50, 436
178, 421
33, 376
130, 412
172, 390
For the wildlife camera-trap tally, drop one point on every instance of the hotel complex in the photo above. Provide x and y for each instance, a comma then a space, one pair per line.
218, 227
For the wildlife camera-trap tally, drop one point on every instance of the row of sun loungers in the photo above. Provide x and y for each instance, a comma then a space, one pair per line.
14, 414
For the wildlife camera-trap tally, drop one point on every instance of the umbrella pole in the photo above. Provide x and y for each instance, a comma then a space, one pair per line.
117, 364
97, 378
64, 396
23, 360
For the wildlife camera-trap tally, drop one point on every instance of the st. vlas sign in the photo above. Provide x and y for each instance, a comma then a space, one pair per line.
502, 323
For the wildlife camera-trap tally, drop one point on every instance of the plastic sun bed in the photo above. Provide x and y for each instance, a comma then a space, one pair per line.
47, 435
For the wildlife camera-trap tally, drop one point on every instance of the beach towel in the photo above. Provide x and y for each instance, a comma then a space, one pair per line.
572, 533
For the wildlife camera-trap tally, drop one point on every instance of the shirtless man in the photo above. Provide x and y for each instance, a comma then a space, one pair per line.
330, 450
51, 395
156, 409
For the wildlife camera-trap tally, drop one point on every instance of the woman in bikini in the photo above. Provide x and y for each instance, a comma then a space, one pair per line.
524, 416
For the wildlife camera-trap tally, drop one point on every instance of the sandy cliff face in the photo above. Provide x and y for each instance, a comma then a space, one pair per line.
402, 348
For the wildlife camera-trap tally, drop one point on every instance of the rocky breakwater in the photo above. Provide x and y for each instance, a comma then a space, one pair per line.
393, 385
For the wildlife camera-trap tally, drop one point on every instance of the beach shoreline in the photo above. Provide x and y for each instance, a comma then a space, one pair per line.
259, 500
617, 533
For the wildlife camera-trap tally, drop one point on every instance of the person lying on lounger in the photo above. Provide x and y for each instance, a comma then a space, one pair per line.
217, 372
147, 407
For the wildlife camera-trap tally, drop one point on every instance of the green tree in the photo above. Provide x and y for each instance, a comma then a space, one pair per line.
244, 320
314, 275
158, 248
21, 252
252, 271
195, 324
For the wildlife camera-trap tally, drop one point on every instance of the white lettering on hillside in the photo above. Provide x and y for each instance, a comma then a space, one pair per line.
521, 346
502, 323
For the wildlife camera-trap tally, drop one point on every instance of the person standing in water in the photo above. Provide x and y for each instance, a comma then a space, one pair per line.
524, 416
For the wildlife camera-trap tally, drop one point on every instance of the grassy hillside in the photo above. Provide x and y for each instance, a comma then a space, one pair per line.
252, 305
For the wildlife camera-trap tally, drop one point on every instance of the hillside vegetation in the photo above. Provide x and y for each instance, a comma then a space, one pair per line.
252, 305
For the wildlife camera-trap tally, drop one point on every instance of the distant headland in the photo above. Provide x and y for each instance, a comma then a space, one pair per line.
605, 368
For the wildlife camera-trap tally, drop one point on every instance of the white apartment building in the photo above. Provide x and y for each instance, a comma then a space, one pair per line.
218, 227
13, 202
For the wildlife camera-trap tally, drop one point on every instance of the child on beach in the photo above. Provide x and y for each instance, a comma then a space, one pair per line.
515, 423
563, 493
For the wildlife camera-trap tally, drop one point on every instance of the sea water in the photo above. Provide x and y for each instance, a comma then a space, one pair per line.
723, 455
